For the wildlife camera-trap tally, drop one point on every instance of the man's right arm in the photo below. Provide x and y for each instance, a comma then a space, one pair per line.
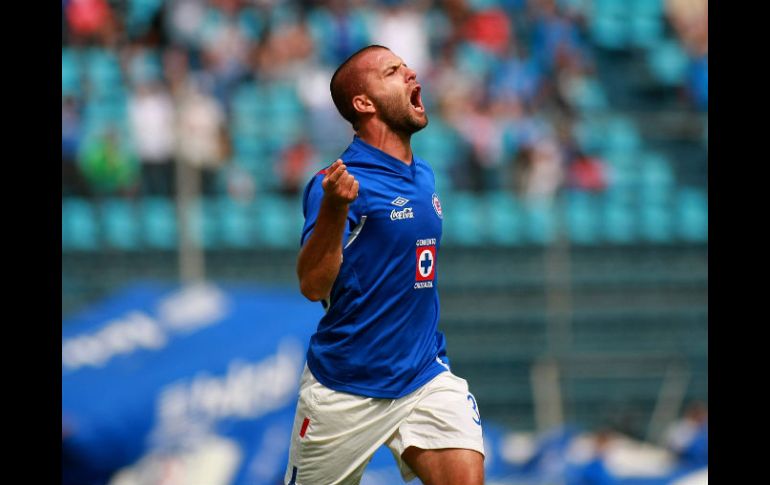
321, 256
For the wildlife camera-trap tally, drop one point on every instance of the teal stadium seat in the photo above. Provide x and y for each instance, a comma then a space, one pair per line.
591, 96
655, 198
70, 73
438, 143
238, 220
159, 223
692, 215
655, 223
582, 217
656, 179
204, 222
504, 222
608, 24
146, 67
646, 22
618, 224
247, 147
464, 222
140, 14
588, 133
278, 221
103, 72
668, 62
118, 218
474, 60
620, 134
79, 227
539, 221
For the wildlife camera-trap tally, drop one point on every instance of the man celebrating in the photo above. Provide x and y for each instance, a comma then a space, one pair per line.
377, 371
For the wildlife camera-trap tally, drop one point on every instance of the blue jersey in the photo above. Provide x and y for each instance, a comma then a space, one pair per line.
379, 337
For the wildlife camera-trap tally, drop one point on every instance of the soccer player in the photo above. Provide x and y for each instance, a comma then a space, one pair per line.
377, 371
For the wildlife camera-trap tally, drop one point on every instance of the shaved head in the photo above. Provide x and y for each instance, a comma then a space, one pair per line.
348, 81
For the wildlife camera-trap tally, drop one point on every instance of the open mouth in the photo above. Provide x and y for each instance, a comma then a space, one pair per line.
416, 100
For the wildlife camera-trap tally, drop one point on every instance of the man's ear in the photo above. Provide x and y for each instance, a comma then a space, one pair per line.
362, 104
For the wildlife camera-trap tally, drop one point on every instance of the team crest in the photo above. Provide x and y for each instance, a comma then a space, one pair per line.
426, 263
437, 206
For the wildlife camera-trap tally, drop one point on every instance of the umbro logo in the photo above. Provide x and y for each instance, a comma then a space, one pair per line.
400, 201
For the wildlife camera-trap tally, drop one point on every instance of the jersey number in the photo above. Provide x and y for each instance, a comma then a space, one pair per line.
477, 419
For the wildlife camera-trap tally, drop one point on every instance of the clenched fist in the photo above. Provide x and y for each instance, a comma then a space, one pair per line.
340, 187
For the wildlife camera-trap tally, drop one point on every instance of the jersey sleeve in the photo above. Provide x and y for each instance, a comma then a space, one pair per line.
311, 204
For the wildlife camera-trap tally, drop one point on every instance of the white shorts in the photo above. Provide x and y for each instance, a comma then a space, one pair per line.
335, 433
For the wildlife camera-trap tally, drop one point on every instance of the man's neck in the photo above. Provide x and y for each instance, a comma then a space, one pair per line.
397, 145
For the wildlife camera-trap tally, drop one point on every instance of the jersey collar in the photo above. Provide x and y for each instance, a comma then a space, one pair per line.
385, 160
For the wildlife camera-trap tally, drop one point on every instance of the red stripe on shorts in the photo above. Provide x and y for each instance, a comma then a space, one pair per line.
304, 427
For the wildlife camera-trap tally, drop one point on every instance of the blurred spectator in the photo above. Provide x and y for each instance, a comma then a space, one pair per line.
516, 79
151, 118
201, 134
698, 82
240, 184
293, 164
587, 173
88, 18
689, 19
553, 34
538, 170
594, 471
73, 182
490, 29
285, 52
108, 164
688, 437
339, 29
225, 47
499, 74
401, 27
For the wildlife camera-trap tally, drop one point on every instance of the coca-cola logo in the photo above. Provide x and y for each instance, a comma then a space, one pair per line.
405, 213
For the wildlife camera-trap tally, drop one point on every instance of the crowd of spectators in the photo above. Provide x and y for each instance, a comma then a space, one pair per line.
689, 21
503, 76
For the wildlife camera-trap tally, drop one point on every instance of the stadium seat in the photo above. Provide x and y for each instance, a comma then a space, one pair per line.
139, 15
103, 71
237, 221
159, 222
278, 221
645, 31
504, 220
646, 17
692, 215
119, 220
70, 73
608, 24
582, 217
203, 220
539, 221
79, 228
146, 66
438, 144
656, 179
620, 134
463, 219
590, 96
618, 225
668, 62
655, 223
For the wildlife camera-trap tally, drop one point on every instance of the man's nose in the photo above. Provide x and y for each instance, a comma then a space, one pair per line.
410, 74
